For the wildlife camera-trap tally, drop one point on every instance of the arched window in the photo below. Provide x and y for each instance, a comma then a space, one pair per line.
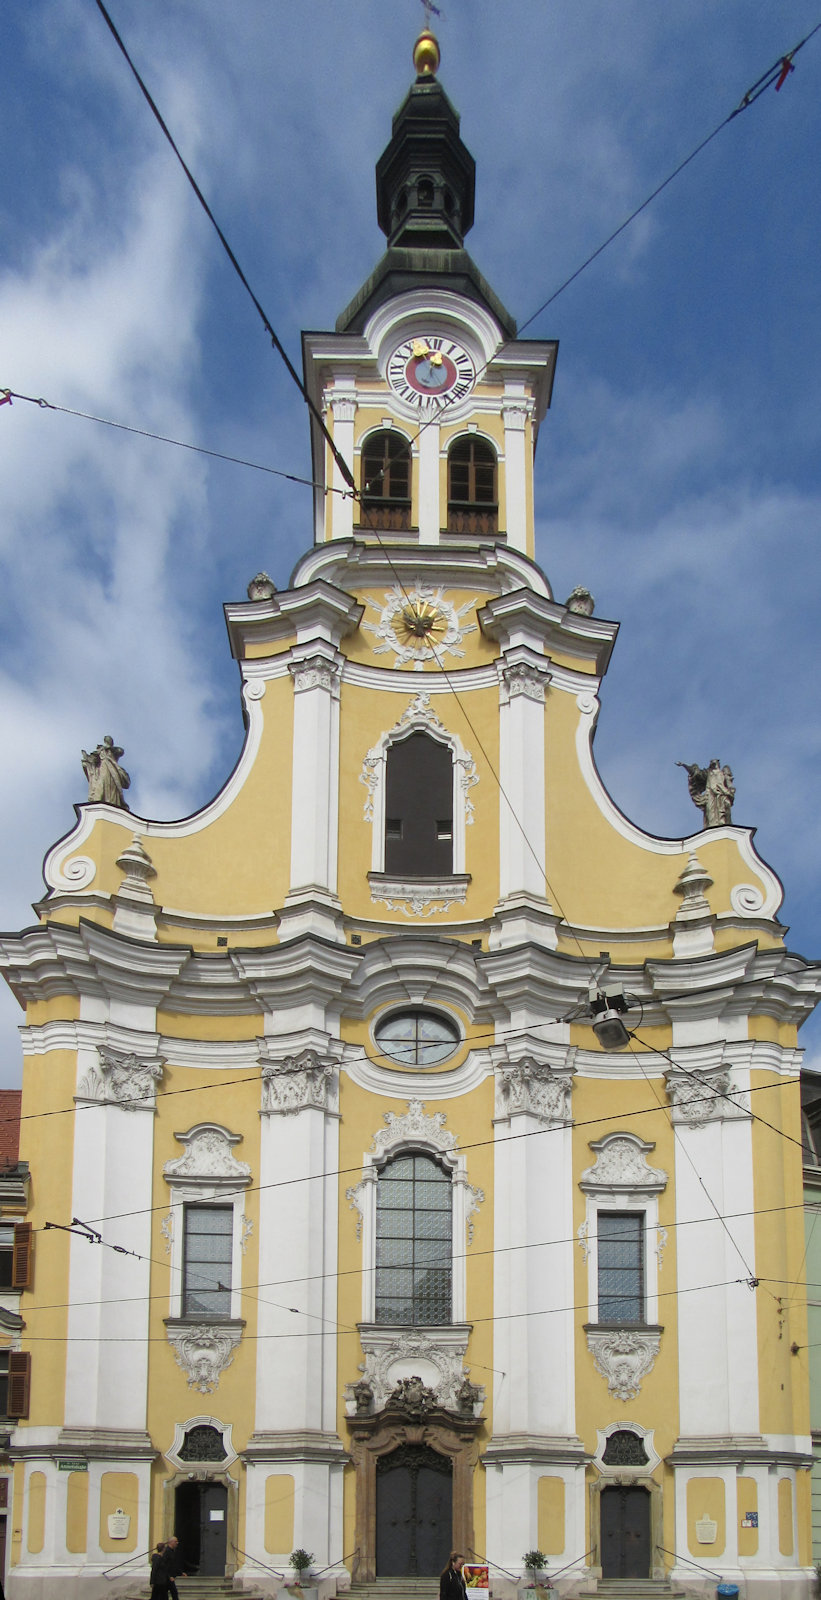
386, 480
414, 1249
473, 504
419, 808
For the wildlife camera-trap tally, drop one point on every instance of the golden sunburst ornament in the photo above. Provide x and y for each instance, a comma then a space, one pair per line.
421, 620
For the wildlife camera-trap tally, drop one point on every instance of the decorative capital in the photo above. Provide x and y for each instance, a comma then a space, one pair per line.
204, 1351
524, 678
701, 1097
529, 1088
624, 1356
123, 1079
298, 1083
315, 672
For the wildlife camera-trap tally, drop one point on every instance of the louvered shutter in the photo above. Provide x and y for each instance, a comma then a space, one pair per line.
19, 1383
21, 1274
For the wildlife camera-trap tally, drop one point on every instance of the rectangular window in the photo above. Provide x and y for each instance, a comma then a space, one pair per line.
6, 1255
207, 1256
4, 1383
413, 1242
621, 1266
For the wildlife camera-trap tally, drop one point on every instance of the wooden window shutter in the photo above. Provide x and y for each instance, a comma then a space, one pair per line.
19, 1383
21, 1273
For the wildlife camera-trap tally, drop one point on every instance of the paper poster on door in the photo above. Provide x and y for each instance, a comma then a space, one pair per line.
217, 1516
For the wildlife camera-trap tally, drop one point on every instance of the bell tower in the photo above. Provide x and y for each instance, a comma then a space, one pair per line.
427, 392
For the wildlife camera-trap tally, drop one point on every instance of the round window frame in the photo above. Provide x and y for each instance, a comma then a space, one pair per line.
446, 1018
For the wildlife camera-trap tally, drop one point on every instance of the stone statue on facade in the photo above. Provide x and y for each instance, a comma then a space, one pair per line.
261, 587
580, 601
413, 1397
712, 790
106, 778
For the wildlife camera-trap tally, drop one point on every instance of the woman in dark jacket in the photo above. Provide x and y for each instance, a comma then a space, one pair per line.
451, 1583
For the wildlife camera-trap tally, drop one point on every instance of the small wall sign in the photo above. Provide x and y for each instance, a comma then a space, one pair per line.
706, 1530
119, 1524
749, 1519
72, 1466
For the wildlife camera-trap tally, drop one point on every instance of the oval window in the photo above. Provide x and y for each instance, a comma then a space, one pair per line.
417, 1038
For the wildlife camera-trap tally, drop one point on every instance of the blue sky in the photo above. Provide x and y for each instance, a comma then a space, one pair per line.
678, 472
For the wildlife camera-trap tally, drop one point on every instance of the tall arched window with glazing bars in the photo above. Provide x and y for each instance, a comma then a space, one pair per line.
473, 492
414, 1242
386, 482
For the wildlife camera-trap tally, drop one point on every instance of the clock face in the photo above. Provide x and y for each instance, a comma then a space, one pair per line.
431, 371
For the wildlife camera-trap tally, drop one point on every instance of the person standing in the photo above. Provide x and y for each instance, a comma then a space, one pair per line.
174, 1565
451, 1583
159, 1573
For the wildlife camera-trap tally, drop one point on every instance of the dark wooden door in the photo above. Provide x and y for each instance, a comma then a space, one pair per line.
625, 1532
200, 1526
414, 1512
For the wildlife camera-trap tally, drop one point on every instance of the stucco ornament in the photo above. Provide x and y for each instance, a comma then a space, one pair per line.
204, 1351
298, 1083
434, 1358
418, 717
580, 601
624, 1356
621, 1164
413, 1127
207, 1154
419, 624
261, 587
123, 1079
528, 1087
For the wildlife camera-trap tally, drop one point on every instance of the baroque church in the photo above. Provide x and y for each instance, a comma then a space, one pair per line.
427, 1171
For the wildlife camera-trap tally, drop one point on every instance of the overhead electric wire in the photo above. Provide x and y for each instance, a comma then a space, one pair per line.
181, 444
267, 324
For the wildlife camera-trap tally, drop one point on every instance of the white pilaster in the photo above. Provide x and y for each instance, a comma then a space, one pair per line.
516, 408
342, 401
430, 511
522, 842
311, 905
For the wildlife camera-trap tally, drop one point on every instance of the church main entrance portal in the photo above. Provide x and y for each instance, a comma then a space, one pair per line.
414, 1512
625, 1532
200, 1525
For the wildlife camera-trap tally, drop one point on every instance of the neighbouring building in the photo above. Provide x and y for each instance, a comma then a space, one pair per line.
365, 1225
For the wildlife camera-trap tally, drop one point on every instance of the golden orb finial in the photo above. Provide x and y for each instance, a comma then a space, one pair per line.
426, 54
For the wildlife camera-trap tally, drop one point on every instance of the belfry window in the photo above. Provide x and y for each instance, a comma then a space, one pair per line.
419, 808
386, 482
414, 1234
621, 1266
473, 496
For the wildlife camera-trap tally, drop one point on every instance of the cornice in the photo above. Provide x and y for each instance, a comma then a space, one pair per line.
523, 617
420, 969
358, 564
318, 610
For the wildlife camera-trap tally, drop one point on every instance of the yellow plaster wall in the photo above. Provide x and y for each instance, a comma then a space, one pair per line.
779, 1253
37, 1513
786, 1543
746, 1500
279, 1512
119, 1491
598, 1109
77, 1513
550, 1518
236, 1107
366, 715
46, 1142
705, 1498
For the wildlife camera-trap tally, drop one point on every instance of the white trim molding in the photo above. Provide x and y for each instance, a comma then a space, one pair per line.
622, 1180
224, 1429
647, 1437
207, 1173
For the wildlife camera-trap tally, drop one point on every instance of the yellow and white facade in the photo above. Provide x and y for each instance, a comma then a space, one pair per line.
240, 1025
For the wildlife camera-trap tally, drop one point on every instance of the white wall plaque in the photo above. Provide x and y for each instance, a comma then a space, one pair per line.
119, 1524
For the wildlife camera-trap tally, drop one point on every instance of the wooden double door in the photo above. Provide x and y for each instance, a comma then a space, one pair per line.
414, 1512
625, 1531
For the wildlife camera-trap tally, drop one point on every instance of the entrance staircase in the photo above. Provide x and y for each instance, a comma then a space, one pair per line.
635, 1589
395, 1589
196, 1589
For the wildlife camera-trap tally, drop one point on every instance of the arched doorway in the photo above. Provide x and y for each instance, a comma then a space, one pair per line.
414, 1512
200, 1524
625, 1539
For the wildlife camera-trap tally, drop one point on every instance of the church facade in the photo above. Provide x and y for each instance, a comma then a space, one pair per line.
381, 1227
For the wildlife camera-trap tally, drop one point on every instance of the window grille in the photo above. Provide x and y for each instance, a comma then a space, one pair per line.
203, 1443
625, 1449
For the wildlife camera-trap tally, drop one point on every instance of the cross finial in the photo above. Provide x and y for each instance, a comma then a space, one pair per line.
430, 7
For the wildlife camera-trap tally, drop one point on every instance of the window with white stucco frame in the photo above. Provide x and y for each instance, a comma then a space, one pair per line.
206, 1227
620, 1237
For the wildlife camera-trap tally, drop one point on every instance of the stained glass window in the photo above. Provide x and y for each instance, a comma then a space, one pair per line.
413, 1242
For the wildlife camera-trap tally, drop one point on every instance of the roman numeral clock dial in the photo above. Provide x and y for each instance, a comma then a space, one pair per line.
429, 372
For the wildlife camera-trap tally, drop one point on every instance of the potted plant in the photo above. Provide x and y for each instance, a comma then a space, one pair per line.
301, 1563
533, 1562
